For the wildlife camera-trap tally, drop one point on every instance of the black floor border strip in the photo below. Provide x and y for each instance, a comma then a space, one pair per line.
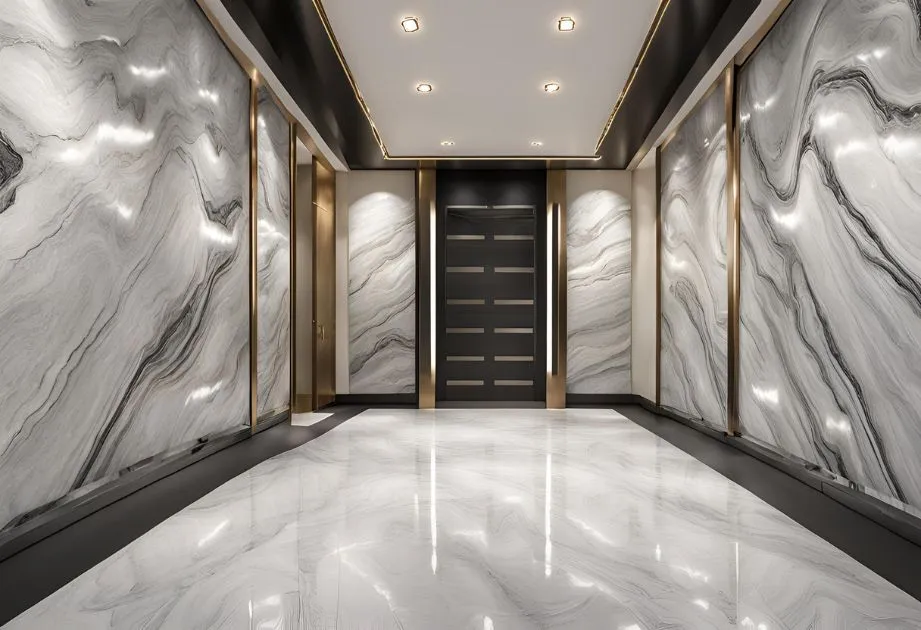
69, 509
892, 518
95, 532
860, 525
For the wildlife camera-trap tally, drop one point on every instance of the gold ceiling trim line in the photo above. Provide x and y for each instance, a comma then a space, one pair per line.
650, 36
318, 5
487, 158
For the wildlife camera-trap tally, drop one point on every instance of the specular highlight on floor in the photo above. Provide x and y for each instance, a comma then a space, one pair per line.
479, 519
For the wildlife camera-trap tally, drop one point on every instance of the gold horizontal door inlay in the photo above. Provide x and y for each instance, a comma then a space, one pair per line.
465, 269
466, 237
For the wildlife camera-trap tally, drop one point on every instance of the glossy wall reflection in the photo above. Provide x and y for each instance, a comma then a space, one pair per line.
694, 286
123, 240
273, 256
831, 241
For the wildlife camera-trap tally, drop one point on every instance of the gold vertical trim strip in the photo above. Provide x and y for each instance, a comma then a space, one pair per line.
292, 267
658, 236
556, 297
425, 294
253, 209
733, 245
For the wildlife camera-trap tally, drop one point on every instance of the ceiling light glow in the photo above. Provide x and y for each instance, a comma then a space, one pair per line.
410, 24
537, 143
424, 88
567, 24
447, 143
551, 88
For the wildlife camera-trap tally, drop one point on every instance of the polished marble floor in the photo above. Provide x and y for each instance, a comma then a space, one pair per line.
479, 519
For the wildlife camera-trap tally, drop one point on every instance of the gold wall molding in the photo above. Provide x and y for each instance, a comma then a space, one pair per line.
253, 206
733, 246
658, 237
292, 265
557, 288
426, 359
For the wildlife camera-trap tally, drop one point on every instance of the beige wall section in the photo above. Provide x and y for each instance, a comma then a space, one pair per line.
342, 282
303, 308
644, 289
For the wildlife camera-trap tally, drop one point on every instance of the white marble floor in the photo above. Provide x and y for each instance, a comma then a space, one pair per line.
479, 519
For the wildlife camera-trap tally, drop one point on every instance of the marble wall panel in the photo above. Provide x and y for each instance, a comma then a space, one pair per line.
598, 264
830, 343
273, 257
694, 291
382, 283
123, 240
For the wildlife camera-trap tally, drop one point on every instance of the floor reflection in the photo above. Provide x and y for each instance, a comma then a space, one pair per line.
536, 519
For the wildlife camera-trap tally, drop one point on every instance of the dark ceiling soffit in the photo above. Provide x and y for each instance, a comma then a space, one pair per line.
732, 22
290, 36
693, 33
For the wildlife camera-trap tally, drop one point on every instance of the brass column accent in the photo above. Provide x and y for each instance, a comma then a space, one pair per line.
556, 289
658, 236
253, 209
324, 283
733, 245
425, 286
292, 267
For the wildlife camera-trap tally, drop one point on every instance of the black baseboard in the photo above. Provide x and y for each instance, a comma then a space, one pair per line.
580, 400
377, 399
55, 516
898, 521
490, 404
270, 420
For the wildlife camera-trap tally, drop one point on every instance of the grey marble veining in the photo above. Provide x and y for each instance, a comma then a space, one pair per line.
694, 282
382, 289
123, 240
598, 302
273, 257
451, 519
831, 241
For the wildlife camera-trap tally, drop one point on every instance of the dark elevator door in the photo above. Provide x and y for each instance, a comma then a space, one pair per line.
491, 285
490, 297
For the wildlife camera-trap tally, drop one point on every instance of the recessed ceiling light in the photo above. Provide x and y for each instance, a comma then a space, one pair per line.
411, 24
537, 143
447, 143
551, 88
567, 24
425, 88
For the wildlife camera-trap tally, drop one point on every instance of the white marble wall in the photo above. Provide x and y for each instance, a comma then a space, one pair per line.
694, 302
598, 282
381, 281
123, 240
831, 241
273, 257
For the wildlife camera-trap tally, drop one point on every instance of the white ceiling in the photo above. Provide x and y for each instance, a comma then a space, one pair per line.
488, 61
